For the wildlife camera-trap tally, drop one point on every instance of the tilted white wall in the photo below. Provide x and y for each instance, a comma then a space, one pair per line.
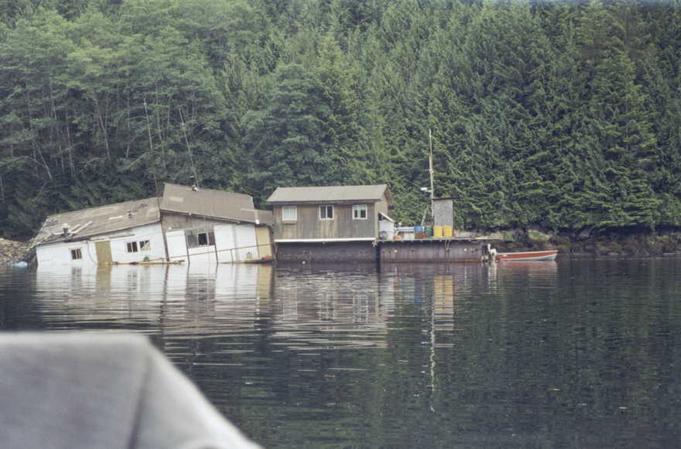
247, 248
60, 253
225, 242
153, 233
233, 243
236, 243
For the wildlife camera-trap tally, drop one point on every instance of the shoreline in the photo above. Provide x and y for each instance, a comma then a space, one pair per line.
613, 245
608, 244
12, 251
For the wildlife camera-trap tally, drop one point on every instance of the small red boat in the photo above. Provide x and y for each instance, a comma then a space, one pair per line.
549, 254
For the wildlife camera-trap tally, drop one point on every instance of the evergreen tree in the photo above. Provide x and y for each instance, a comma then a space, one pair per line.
560, 115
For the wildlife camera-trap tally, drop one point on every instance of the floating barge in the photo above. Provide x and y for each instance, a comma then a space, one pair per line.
385, 251
433, 250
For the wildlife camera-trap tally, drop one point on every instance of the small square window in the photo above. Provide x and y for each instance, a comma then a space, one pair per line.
76, 254
359, 212
145, 245
326, 212
132, 247
197, 238
206, 239
289, 213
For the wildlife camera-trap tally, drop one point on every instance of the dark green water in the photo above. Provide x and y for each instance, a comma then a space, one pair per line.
576, 354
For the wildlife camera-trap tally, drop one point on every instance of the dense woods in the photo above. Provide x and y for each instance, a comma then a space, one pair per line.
563, 116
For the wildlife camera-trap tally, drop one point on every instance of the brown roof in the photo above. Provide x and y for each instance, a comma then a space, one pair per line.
324, 194
210, 203
99, 220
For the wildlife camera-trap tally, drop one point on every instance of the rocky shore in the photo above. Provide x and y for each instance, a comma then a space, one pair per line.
12, 251
609, 244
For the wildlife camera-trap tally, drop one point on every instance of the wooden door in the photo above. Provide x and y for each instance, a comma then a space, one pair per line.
103, 250
262, 238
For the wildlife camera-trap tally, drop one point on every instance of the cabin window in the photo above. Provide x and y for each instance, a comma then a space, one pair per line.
196, 239
76, 254
289, 213
145, 245
359, 212
132, 247
326, 212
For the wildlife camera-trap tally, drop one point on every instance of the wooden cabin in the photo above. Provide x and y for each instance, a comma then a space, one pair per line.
345, 220
334, 213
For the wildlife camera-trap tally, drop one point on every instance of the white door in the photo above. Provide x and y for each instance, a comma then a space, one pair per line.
224, 242
177, 246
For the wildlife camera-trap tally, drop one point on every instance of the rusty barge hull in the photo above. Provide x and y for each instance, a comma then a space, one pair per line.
327, 252
431, 250
388, 251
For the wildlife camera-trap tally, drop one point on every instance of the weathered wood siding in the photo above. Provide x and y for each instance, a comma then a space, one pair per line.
310, 226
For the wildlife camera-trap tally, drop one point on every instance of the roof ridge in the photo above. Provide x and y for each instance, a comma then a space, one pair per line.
343, 185
199, 189
358, 192
102, 206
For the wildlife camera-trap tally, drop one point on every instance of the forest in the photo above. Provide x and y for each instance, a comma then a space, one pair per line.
564, 116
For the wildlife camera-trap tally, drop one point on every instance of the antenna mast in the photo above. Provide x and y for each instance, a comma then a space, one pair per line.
430, 172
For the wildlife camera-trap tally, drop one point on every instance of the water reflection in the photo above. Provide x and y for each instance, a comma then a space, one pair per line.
175, 299
303, 308
567, 354
329, 310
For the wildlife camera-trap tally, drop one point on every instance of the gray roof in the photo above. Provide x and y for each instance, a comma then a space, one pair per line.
324, 194
209, 203
98, 220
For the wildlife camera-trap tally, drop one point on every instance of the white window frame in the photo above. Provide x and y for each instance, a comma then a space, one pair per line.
325, 208
193, 237
76, 252
357, 211
144, 245
131, 247
210, 238
292, 212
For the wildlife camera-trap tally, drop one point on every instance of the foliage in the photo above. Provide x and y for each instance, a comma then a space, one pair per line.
562, 116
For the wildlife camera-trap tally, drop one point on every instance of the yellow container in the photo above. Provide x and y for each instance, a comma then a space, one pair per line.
447, 231
438, 232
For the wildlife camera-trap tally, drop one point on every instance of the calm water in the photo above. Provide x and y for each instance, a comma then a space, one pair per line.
583, 354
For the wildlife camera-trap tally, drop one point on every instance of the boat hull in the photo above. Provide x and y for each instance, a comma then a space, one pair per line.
528, 255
